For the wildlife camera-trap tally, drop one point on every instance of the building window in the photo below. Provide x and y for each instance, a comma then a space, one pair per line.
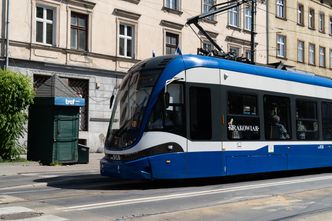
247, 53
312, 54
311, 23
281, 46
321, 22
206, 45
207, 4
172, 42
321, 56
79, 31
172, 4
300, 14
247, 18
242, 117
235, 50
331, 58
234, 17
126, 40
330, 26
45, 25
281, 9
300, 51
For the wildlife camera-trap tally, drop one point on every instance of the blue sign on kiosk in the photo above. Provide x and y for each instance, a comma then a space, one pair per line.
69, 101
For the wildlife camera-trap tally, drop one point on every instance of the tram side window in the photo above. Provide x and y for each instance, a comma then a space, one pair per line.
277, 118
327, 120
200, 113
242, 117
306, 120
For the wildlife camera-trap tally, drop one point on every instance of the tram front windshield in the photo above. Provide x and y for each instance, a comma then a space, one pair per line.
129, 107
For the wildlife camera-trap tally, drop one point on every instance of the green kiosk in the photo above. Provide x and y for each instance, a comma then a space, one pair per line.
54, 124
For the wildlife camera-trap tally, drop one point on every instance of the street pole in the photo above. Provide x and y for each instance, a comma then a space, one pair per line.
253, 13
7, 34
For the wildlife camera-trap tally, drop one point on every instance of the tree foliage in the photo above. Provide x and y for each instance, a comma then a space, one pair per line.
16, 94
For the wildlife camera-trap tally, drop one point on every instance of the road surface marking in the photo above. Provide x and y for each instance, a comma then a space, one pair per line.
190, 194
9, 199
13, 210
34, 185
28, 191
16, 210
43, 218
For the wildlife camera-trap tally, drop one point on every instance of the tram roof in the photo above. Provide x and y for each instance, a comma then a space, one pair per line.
180, 63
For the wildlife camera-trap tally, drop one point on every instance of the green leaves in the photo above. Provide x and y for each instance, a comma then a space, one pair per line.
16, 94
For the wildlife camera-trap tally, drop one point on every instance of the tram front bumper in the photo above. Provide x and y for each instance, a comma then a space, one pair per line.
134, 170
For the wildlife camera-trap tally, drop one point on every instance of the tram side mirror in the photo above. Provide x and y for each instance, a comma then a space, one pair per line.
166, 99
111, 101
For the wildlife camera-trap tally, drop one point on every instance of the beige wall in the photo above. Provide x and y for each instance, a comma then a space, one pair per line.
295, 32
103, 23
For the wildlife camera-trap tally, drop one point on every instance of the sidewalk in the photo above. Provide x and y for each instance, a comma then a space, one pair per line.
7, 169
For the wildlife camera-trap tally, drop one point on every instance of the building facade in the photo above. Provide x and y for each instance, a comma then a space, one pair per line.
93, 43
299, 33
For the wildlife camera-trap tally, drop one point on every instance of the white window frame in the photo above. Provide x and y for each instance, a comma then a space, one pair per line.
312, 54
300, 14
210, 45
206, 5
311, 15
237, 48
322, 56
45, 21
247, 53
281, 46
234, 17
247, 18
172, 4
281, 8
126, 38
321, 27
300, 51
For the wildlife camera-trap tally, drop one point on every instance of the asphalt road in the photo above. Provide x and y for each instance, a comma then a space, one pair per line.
79, 195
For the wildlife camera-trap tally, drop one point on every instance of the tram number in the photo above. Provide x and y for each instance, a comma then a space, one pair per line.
115, 157
321, 147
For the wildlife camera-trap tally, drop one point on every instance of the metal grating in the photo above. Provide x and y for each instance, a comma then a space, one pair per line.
38, 80
81, 87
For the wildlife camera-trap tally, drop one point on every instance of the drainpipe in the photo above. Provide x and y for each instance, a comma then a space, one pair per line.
7, 34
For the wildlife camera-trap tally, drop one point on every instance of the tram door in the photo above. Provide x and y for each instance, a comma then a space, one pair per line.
204, 137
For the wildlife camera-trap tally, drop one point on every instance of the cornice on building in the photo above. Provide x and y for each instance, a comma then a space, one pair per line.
82, 3
239, 41
210, 33
126, 14
173, 11
170, 24
31, 46
133, 1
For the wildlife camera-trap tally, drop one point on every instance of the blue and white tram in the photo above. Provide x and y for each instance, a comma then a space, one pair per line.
194, 116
